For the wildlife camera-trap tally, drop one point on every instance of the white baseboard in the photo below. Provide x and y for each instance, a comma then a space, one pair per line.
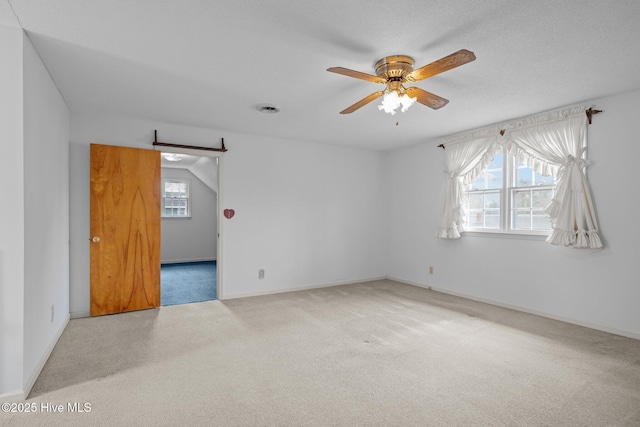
182, 261
45, 357
80, 314
297, 288
598, 327
14, 396
19, 395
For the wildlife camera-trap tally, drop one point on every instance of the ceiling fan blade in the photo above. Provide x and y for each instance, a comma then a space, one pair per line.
356, 74
426, 98
364, 101
454, 60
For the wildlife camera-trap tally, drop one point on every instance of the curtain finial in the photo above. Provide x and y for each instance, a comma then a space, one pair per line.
590, 112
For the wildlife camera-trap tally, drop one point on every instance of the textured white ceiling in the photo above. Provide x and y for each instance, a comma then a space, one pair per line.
209, 63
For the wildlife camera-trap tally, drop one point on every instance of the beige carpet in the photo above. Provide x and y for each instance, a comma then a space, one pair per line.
371, 354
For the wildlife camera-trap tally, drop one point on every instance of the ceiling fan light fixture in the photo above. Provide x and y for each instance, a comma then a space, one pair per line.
391, 101
172, 157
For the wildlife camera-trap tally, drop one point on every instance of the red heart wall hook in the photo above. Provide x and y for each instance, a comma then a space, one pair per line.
229, 213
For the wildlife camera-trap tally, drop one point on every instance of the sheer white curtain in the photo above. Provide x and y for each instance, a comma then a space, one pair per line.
465, 158
553, 144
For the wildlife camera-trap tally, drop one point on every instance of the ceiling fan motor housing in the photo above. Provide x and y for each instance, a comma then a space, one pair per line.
394, 67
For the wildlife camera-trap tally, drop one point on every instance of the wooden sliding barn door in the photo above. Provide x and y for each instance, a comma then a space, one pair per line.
125, 229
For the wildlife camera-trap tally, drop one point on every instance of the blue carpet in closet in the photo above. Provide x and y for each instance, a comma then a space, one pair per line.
187, 282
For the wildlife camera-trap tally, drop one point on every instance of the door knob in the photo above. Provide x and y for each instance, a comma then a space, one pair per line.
95, 239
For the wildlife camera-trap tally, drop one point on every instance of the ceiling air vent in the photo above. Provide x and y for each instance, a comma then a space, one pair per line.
267, 108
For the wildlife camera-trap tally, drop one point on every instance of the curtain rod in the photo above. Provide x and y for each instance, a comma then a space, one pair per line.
192, 147
590, 113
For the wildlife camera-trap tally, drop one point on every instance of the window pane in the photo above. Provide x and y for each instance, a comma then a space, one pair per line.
480, 183
476, 219
494, 179
540, 220
494, 173
476, 201
522, 219
492, 200
522, 199
175, 206
484, 210
543, 179
492, 218
524, 177
491, 178
541, 198
176, 189
496, 163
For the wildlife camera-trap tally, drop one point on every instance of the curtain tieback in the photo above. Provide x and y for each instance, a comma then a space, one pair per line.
581, 163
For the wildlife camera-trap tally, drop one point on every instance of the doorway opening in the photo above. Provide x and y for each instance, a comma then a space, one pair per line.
189, 228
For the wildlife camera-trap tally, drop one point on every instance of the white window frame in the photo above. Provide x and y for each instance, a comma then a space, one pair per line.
507, 203
186, 198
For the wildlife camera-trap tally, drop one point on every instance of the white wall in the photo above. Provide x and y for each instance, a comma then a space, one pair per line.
598, 288
308, 214
11, 220
206, 170
34, 233
194, 238
46, 200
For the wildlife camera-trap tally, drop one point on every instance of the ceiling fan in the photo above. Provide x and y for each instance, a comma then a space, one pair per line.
394, 71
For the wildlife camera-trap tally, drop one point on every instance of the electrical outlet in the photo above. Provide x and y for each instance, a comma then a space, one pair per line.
430, 269
53, 312
261, 274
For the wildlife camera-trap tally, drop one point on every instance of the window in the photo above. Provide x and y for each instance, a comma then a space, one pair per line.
175, 198
509, 197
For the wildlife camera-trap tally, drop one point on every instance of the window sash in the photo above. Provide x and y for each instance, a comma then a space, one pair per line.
484, 208
519, 209
175, 188
530, 209
175, 198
